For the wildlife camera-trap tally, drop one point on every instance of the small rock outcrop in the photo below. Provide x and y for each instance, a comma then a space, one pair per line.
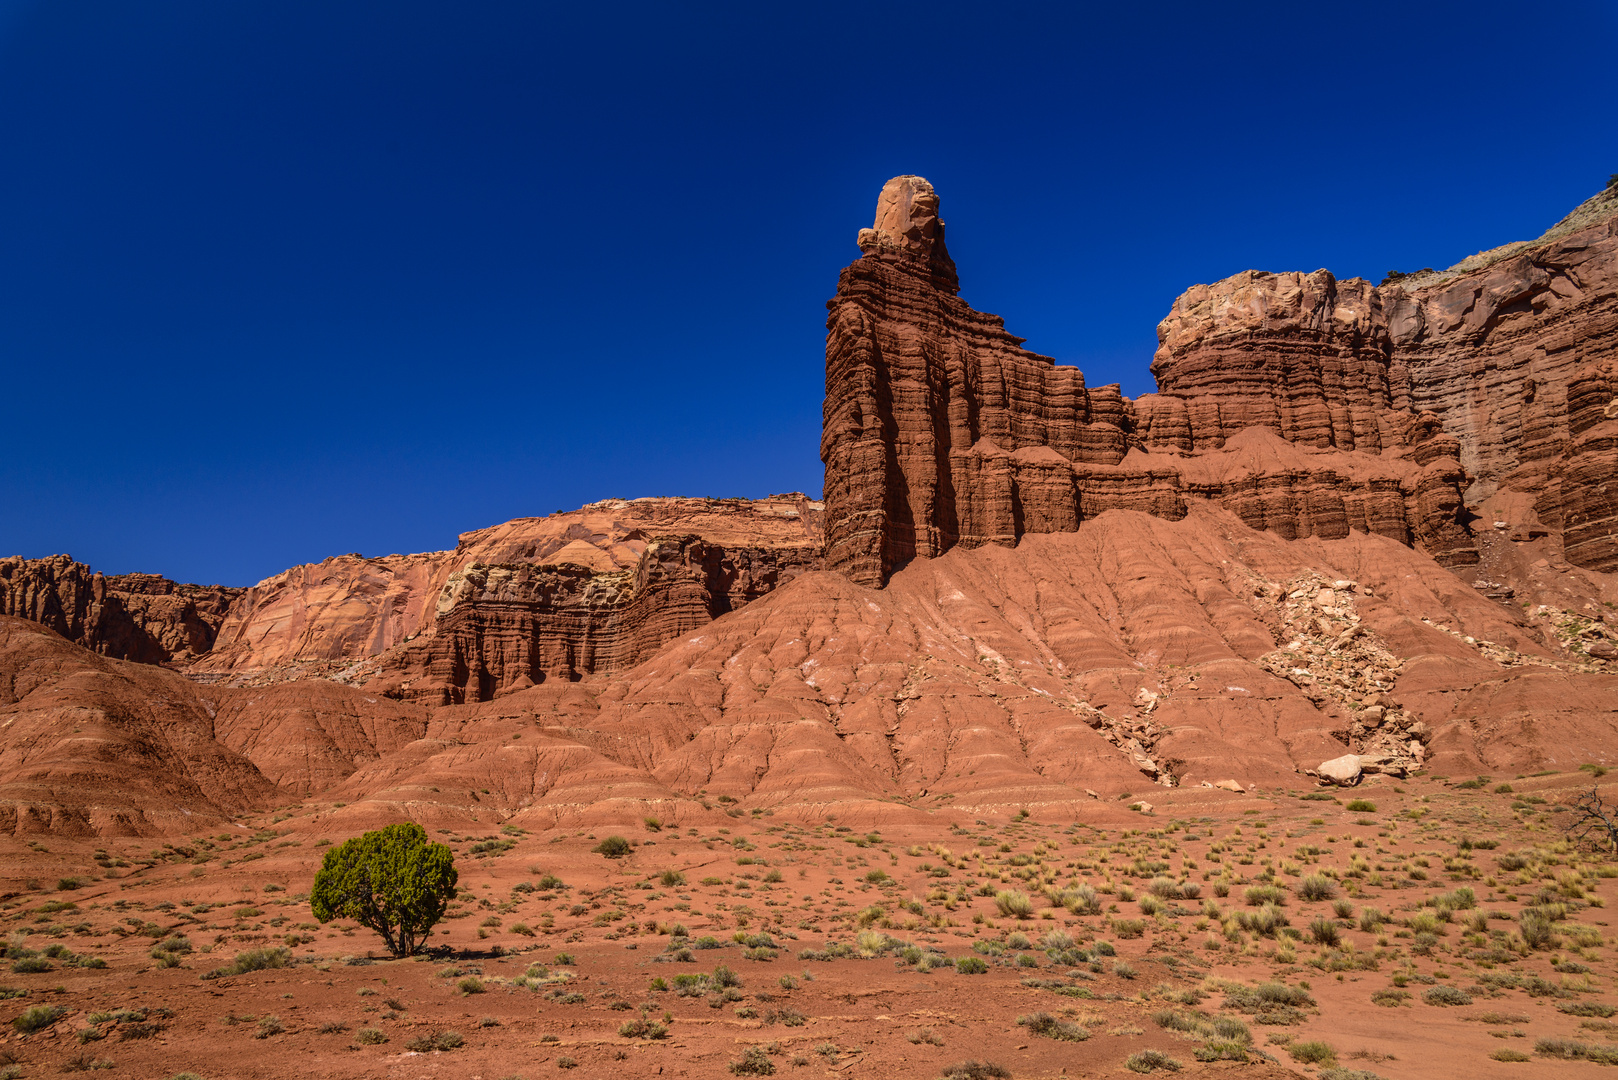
140, 617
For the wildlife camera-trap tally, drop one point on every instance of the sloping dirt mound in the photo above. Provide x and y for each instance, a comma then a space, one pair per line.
99, 746
1132, 652
105, 746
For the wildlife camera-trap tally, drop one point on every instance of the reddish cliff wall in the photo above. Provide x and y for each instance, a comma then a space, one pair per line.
1517, 350
1514, 351
507, 627
564, 596
140, 617
941, 430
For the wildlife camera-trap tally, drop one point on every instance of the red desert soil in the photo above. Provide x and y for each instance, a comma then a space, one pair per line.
1396, 938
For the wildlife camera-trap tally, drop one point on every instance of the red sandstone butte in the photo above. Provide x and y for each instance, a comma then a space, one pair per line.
941, 429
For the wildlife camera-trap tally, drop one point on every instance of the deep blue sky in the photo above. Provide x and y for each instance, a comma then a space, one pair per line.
283, 280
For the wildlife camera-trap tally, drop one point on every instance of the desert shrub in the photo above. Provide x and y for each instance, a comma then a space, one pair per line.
1270, 1003
1325, 932
1538, 932
1567, 1049
252, 960
1175, 1020
1425, 922
974, 1070
670, 879
1146, 1061
370, 1037
1128, 928
1317, 887
438, 1040
970, 965
1446, 995
1164, 888
1013, 904
1586, 1008
753, 1062
613, 847
1462, 899
1510, 1055
642, 1029
393, 881
1313, 1052
1265, 921
1361, 806
1220, 1051
1052, 941
1371, 918
1043, 1023
1082, 900
31, 965
470, 985
269, 1025
1257, 895
38, 1017
1389, 999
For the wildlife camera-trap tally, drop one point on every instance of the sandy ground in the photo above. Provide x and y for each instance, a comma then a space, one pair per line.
844, 946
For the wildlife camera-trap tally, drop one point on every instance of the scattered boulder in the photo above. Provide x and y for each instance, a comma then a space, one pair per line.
1343, 771
1384, 764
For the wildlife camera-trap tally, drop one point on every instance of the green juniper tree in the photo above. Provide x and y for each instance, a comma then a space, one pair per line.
394, 881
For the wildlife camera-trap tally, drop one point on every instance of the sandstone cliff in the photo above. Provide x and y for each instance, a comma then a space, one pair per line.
140, 617
940, 429
1514, 351
587, 591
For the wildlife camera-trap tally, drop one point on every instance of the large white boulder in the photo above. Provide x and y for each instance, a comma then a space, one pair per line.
1343, 770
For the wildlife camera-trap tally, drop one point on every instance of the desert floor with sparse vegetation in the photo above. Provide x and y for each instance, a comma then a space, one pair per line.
1424, 927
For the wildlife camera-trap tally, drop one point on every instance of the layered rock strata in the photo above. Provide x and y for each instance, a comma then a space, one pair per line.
140, 617
1513, 351
941, 430
564, 596
508, 627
